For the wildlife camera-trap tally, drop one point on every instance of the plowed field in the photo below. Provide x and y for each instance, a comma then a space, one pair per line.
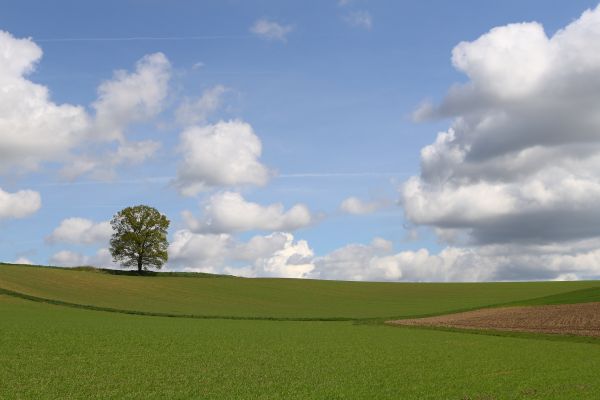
572, 319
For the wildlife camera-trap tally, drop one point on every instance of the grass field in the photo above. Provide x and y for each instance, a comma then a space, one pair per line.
269, 298
50, 351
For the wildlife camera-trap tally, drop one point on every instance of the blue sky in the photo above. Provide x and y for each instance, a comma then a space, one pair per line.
330, 99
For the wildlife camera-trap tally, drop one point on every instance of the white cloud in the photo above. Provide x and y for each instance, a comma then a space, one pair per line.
271, 30
504, 262
229, 212
221, 154
33, 129
134, 152
199, 252
131, 97
276, 254
521, 161
23, 260
359, 19
356, 206
290, 260
259, 247
194, 111
81, 231
359, 262
103, 166
19, 204
280, 255
67, 258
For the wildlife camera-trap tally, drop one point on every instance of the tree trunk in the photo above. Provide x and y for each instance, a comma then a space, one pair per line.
140, 265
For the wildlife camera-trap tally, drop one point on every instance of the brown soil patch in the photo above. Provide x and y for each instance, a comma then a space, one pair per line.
572, 319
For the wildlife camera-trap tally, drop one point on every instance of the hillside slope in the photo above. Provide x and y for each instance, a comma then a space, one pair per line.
276, 298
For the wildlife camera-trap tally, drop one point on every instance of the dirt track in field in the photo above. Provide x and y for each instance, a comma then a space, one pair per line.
572, 319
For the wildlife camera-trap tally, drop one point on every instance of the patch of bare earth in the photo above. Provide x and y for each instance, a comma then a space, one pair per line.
570, 319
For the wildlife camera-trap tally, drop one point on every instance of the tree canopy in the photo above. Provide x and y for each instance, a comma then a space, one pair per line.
139, 238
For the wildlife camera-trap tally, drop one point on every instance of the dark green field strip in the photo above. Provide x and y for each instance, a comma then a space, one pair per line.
366, 320
586, 295
169, 315
589, 295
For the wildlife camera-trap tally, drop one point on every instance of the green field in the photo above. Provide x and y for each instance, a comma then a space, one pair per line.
268, 298
51, 351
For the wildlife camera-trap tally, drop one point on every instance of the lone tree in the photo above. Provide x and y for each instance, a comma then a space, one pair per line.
139, 238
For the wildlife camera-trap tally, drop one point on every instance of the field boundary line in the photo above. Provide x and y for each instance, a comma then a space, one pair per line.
509, 334
358, 320
37, 299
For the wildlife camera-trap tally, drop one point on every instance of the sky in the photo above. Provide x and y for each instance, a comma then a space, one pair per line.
334, 139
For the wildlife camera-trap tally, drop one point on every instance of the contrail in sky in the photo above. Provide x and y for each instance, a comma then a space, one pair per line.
167, 179
141, 38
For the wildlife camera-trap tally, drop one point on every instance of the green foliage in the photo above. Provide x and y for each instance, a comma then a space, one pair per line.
51, 352
140, 237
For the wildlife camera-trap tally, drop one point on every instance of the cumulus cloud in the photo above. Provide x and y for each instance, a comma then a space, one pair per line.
199, 252
67, 258
103, 166
271, 30
359, 262
221, 154
276, 254
356, 206
229, 212
521, 161
81, 231
195, 111
19, 204
279, 254
127, 98
261, 246
133, 152
290, 260
359, 19
23, 260
35, 130
379, 261
131, 96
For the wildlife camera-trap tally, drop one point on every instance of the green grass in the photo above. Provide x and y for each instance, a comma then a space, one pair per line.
52, 352
588, 295
267, 298
49, 351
